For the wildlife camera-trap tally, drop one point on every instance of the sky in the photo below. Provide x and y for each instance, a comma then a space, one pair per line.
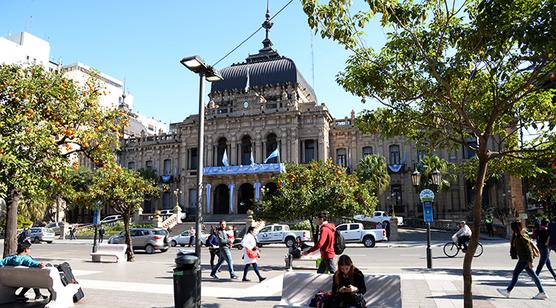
142, 42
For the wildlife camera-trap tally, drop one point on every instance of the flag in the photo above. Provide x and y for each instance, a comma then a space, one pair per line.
247, 84
252, 159
225, 159
275, 153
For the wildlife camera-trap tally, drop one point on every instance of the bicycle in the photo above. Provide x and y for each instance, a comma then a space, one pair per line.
451, 249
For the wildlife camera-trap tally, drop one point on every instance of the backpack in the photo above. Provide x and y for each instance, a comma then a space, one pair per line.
67, 277
339, 242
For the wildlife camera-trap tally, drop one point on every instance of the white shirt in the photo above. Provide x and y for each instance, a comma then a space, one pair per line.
464, 231
248, 242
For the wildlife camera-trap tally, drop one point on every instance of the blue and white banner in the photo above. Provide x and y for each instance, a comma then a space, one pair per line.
252, 159
231, 186
247, 83
208, 197
257, 191
225, 159
241, 169
395, 168
274, 153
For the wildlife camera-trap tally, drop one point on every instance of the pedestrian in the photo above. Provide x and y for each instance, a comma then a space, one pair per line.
520, 248
294, 252
23, 259
325, 244
212, 244
191, 235
488, 225
101, 234
224, 246
250, 254
72, 233
552, 234
23, 236
379, 225
387, 228
348, 285
542, 243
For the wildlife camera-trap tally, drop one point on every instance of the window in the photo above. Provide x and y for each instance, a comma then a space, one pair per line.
394, 154
166, 200
220, 149
192, 198
246, 147
193, 159
342, 228
420, 155
167, 166
341, 157
265, 229
396, 194
453, 155
471, 142
309, 151
278, 228
149, 164
271, 145
354, 227
367, 151
131, 165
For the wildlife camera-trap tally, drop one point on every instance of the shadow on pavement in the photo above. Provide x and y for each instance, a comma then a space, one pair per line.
253, 298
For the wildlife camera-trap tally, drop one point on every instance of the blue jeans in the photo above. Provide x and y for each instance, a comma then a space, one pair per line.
545, 259
519, 267
225, 255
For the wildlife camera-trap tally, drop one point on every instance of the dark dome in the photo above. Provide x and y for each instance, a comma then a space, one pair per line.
269, 69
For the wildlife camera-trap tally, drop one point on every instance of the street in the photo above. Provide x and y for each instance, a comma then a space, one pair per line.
147, 282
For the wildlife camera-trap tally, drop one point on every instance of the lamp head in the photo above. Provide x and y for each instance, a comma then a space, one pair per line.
436, 177
416, 178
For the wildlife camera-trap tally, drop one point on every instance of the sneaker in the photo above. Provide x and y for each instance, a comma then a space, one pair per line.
504, 292
541, 295
214, 276
234, 277
261, 279
245, 279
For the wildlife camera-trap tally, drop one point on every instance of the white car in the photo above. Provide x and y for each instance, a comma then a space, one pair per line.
355, 233
183, 239
378, 216
110, 218
41, 234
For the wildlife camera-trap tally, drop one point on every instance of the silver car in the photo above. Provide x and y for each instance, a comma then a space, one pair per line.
148, 239
41, 234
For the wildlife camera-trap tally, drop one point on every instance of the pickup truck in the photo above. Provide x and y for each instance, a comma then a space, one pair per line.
354, 233
281, 234
378, 216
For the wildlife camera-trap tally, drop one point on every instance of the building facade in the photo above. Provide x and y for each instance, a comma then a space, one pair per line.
262, 105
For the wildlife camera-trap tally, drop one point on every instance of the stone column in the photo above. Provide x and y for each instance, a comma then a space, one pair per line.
232, 156
394, 234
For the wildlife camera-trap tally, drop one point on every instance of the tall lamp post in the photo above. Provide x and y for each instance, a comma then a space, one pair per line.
427, 197
198, 66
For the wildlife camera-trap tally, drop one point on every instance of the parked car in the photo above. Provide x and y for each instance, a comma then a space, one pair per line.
148, 239
110, 218
166, 212
57, 227
41, 234
281, 234
183, 239
378, 216
355, 233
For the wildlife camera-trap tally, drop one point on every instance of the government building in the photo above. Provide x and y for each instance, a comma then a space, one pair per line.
262, 105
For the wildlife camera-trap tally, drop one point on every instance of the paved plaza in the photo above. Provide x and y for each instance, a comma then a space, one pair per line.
147, 282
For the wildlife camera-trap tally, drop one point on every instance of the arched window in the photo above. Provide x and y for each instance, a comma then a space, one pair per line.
271, 145
167, 166
394, 154
341, 157
246, 147
367, 151
220, 148
309, 151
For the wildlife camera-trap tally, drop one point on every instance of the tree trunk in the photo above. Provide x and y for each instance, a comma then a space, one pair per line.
10, 228
130, 256
476, 229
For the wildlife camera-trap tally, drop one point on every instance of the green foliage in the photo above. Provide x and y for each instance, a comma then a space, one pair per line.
305, 190
429, 164
302, 225
373, 172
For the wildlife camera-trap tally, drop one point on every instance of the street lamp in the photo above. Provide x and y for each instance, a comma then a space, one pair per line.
427, 196
198, 66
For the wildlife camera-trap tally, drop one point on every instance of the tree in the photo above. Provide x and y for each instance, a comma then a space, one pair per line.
430, 163
373, 171
543, 188
305, 190
469, 73
47, 119
121, 189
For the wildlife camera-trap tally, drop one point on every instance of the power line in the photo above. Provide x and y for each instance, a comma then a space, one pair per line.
250, 36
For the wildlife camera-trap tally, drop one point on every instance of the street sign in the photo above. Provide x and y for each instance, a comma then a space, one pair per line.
426, 195
96, 217
427, 211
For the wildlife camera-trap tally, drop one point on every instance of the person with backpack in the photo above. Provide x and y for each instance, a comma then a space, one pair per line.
543, 238
325, 244
522, 250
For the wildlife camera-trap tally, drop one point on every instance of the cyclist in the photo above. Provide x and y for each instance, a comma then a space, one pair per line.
462, 236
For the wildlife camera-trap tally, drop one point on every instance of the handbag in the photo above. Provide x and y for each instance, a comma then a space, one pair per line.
534, 249
252, 253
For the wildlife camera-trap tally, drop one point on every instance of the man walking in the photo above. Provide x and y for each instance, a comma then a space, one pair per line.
101, 234
191, 233
224, 246
325, 244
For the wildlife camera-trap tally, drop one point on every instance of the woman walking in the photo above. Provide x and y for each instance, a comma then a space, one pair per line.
212, 244
521, 250
250, 254
542, 243
348, 285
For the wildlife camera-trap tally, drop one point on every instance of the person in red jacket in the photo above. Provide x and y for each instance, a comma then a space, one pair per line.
325, 244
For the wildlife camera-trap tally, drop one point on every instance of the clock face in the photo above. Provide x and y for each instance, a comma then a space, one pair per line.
245, 105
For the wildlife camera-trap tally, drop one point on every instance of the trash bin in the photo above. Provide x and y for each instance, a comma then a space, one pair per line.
186, 286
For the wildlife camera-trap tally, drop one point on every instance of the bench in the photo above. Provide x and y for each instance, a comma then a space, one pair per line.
310, 257
299, 288
110, 250
12, 278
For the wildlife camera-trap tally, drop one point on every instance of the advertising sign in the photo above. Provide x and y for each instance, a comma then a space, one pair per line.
96, 217
427, 211
426, 195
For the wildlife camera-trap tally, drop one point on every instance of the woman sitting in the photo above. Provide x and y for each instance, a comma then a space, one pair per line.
348, 286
